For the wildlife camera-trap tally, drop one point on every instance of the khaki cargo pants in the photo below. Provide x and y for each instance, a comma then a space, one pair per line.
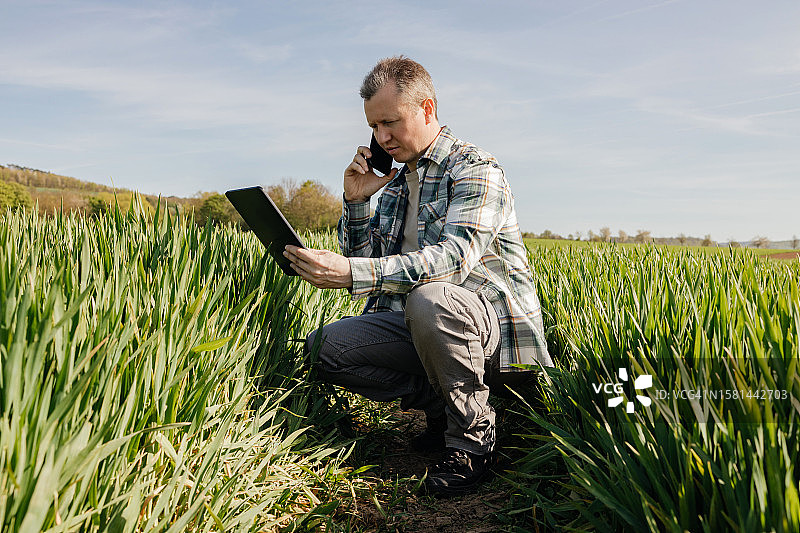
439, 355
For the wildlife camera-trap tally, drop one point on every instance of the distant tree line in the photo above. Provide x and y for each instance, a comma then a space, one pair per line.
641, 236
306, 206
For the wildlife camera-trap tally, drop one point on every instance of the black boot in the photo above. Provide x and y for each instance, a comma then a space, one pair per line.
432, 439
459, 472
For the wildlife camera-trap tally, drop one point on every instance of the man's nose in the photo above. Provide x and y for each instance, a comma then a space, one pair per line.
382, 134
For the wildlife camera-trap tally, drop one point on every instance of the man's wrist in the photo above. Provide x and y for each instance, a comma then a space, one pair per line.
366, 275
355, 200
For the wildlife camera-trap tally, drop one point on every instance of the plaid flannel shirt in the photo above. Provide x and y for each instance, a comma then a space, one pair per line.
468, 235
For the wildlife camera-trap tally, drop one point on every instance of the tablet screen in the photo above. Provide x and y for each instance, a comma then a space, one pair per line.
268, 223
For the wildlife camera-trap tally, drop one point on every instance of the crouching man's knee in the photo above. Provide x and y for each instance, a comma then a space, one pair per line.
314, 356
449, 321
423, 305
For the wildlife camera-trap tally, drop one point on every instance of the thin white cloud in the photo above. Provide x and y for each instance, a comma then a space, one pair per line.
68, 169
172, 17
197, 100
636, 11
774, 113
780, 59
756, 100
49, 146
263, 53
572, 15
178, 97
693, 118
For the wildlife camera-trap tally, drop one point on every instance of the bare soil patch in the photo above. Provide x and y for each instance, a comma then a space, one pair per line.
785, 256
395, 501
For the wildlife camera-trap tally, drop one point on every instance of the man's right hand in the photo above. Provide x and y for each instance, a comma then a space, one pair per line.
360, 183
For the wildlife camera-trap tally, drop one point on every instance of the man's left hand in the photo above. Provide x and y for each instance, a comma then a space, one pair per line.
321, 268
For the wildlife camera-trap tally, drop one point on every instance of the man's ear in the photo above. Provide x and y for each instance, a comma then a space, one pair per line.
429, 108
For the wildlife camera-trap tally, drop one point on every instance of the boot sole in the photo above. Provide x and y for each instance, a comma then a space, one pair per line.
445, 491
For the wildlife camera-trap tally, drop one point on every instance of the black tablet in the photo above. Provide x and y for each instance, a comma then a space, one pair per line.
268, 223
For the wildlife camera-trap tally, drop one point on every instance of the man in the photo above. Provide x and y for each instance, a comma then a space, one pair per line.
452, 302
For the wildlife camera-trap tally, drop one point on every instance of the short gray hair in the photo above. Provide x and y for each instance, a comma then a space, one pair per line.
411, 79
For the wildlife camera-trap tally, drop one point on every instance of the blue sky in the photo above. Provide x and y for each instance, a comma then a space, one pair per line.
670, 116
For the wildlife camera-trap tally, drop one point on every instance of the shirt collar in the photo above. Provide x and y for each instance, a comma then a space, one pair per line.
437, 153
441, 146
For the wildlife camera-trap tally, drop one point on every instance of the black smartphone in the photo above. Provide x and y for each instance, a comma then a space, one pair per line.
380, 160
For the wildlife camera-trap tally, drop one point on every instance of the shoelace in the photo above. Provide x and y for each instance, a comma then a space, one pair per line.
454, 460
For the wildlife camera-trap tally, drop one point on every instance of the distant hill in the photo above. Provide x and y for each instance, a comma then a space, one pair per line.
54, 192
40, 179
308, 205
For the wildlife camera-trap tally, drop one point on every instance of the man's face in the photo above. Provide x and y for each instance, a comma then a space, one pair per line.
399, 127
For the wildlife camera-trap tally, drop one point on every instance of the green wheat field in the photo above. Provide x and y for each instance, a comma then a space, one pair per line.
152, 379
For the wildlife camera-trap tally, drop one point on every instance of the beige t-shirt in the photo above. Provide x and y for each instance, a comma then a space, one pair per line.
410, 232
